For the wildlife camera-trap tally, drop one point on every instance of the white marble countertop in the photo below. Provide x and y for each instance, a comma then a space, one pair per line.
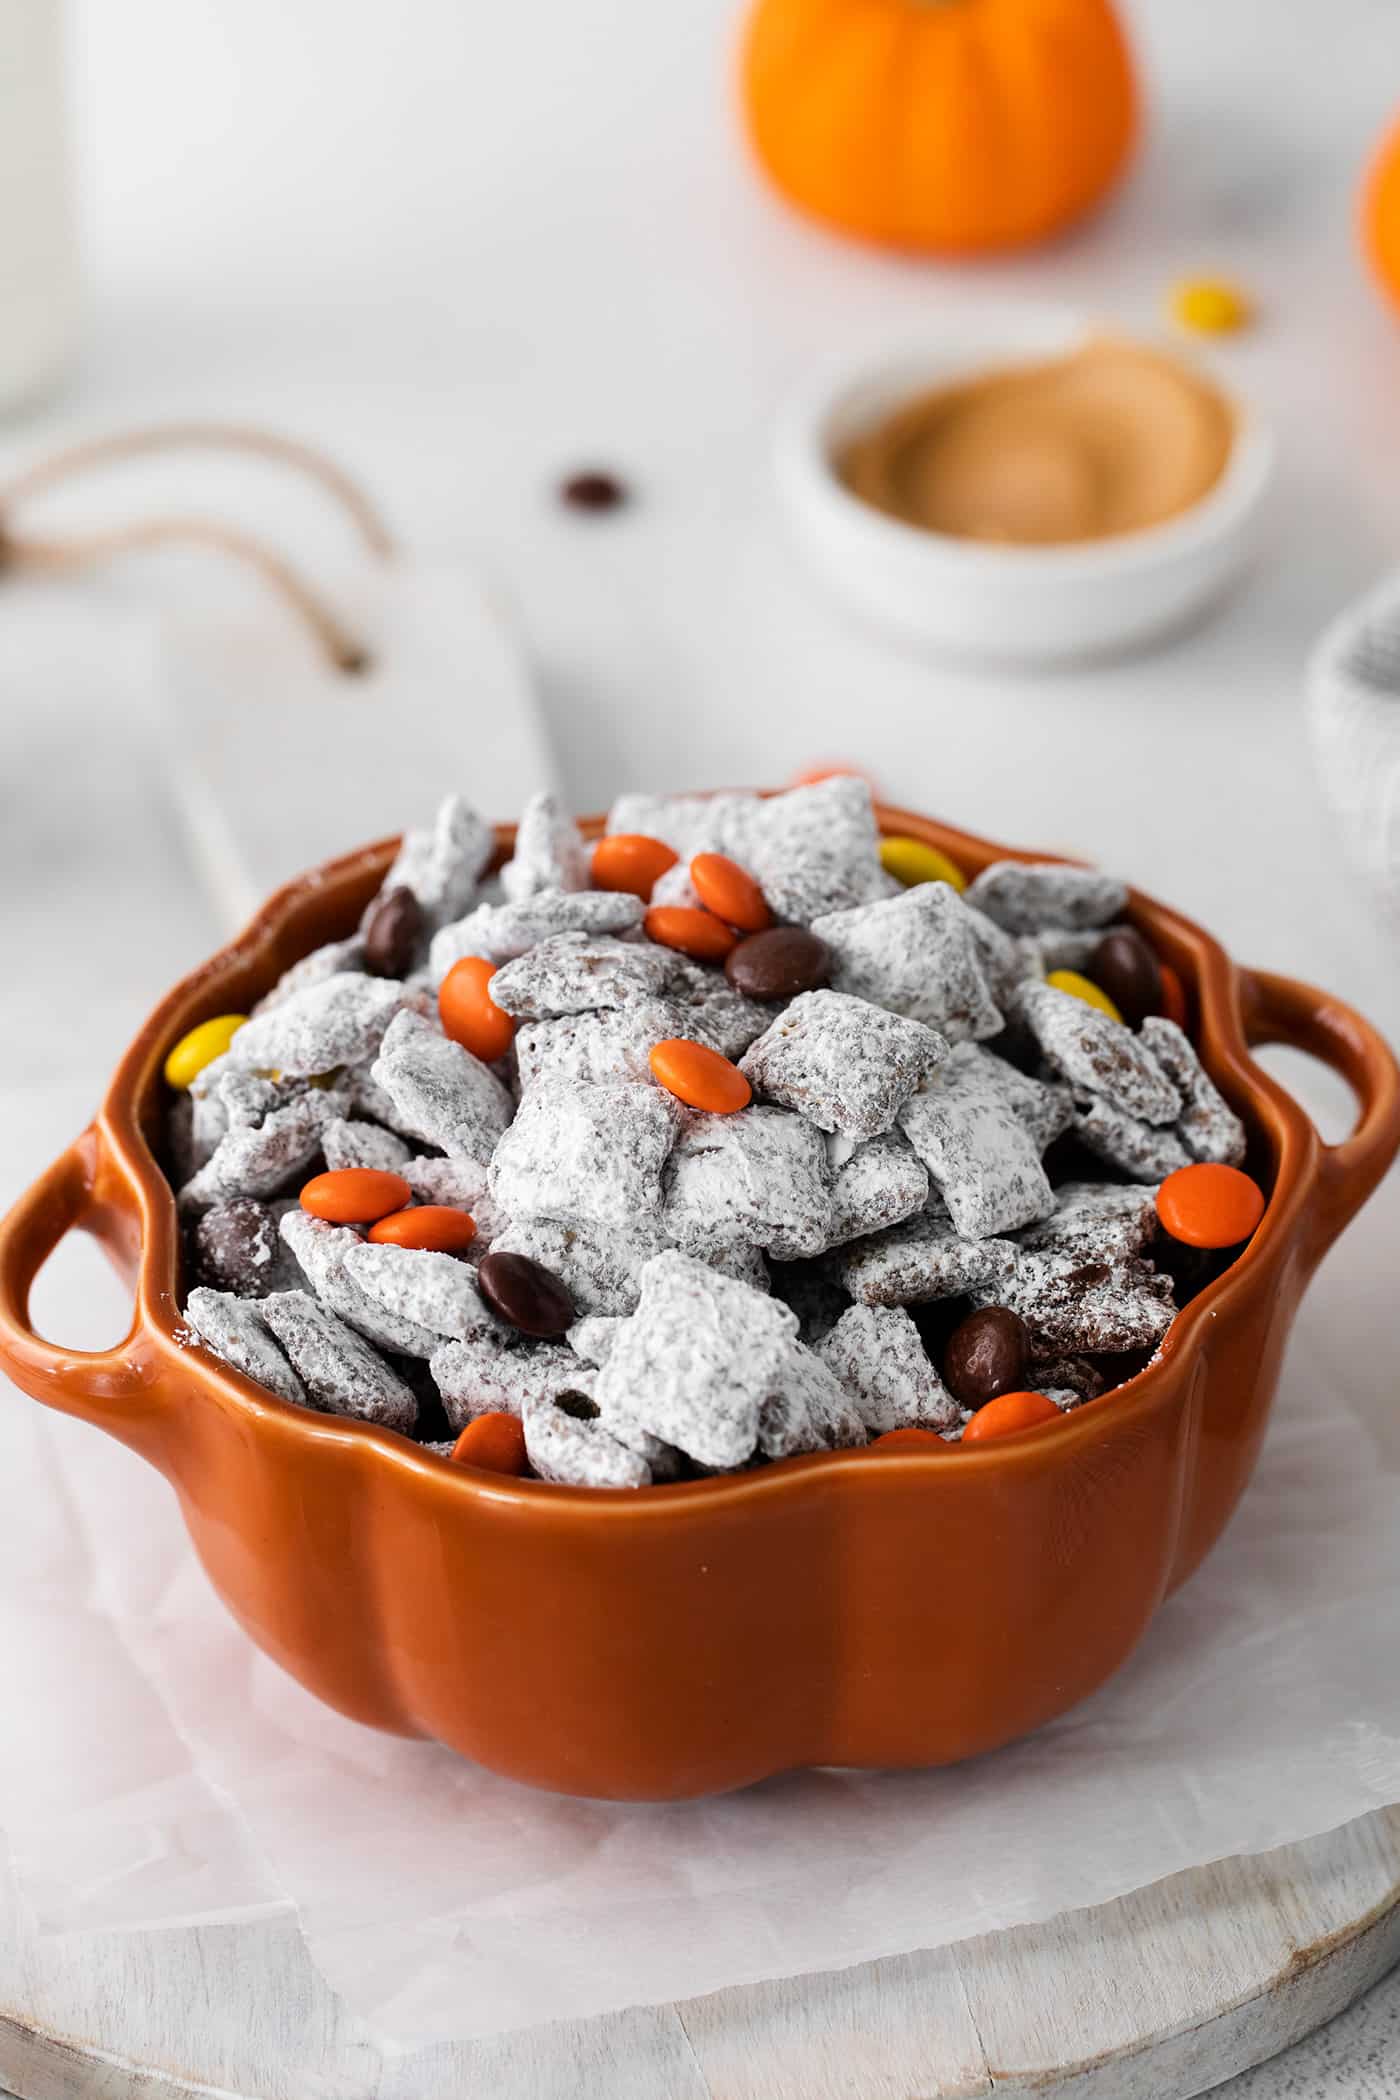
467, 253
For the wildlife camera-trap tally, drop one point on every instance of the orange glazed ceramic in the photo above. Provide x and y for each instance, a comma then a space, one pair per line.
690, 1638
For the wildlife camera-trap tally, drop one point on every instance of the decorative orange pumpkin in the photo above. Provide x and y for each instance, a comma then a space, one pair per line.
1380, 214
956, 126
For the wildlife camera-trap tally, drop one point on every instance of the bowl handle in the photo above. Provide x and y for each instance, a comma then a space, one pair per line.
119, 1389
1280, 1010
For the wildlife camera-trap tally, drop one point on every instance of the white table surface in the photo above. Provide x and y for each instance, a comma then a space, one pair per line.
469, 249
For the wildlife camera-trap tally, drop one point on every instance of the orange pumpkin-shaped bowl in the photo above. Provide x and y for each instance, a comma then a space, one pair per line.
686, 1639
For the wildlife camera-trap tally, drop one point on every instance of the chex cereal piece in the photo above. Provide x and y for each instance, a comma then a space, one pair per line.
877, 1354
440, 1092
332, 960
1043, 1108
696, 1360
715, 1013
816, 850
236, 1331
321, 1251
1098, 1054
691, 824
759, 1175
501, 932
573, 973
238, 1247
918, 1261
1065, 1379
841, 1062
443, 866
1099, 1219
549, 852
341, 1373
591, 1048
1207, 1125
358, 1144
491, 1371
593, 1336
340, 1021
259, 1158
979, 1154
432, 1291
1025, 896
1006, 958
881, 1182
808, 1409
918, 955
600, 1266
566, 1443
592, 1152
1145, 1151
740, 1259
813, 1294
1073, 1305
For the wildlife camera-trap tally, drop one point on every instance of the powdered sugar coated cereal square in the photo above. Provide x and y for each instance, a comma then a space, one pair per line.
876, 1353
549, 852
574, 973
502, 932
443, 865
841, 1062
980, 1157
590, 1152
1098, 1054
1207, 1125
341, 1373
760, 1175
1024, 896
439, 1091
600, 1266
340, 1021
917, 955
235, 1330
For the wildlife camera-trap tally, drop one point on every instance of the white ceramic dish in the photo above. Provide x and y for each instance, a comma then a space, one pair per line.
1031, 605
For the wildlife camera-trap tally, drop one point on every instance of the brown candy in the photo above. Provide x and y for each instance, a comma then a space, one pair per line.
240, 1249
1126, 968
392, 933
986, 1355
593, 490
525, 1294
779, 963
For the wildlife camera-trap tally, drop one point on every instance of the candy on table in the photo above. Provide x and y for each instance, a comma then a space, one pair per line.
502, 932
919, 1261
238, 1247
591, 1152
1210, 305
591, 1049
341, 1373
1070, 1306
549, 853
1078, 986
778, 964
1145, 1152
760, 1175
986, 1354
912, 861
842, 1063
698, 1076
981, 1158
631, 861
1099, 1220
433, 1292
876, 1353
334, 959
467, 1011
1207, 1125
1098, 1054
443, 865
696, 1360
916, 954
1028, 896
567, 1444
881, 1182
199, 1048
347, 1143
235, 1330
393, 933
340, 1021
1209, 1204
593, 1336
258, 1157
572, 973
440, 1092
321, 1252
498, 1371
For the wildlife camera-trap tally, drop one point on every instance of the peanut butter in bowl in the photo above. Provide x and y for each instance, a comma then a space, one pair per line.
1109, 438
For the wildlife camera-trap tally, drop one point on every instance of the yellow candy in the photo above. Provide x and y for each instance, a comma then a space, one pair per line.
1210, 305
199, 1048
1083, 988
910, 861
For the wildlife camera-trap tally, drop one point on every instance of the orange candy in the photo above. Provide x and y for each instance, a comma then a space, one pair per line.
354, 1195
468, 1012
495, 1443
1008, 1413
698, 934
1173, 995
629, 860
730, 892
699, 1076
911, 1439
438, 1227
1209, 1206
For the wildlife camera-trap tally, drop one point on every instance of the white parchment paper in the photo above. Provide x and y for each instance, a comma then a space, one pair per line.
154, 1769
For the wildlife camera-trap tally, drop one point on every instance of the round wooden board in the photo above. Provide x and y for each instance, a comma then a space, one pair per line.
1162, 1994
